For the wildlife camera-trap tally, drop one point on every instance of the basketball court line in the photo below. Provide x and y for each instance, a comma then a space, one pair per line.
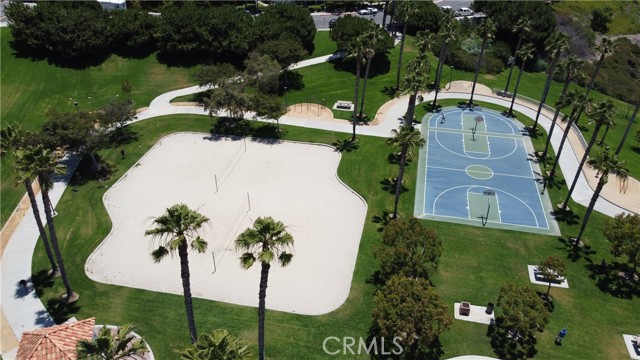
492, 172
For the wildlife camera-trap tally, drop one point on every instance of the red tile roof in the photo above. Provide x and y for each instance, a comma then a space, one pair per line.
56, 342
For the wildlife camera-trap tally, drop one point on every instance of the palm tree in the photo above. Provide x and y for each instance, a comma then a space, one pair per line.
525, 53
405, 10
179, 228
112, 345
606, 47
266, 241
218, 345
447, 34
415, 81
24, 169
44, 163
604, 163
423, 41
557, 44
407, 137
601, 114
572, 68
372, 38
357, 50
486, 31
523, 29
626, 131
576, 100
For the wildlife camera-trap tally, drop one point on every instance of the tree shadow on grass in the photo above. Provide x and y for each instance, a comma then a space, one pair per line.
507, 346
380, 65
345, 145
382, 219
85, 173
40, 281
394, 159
617, 279
389, 185
267, 134
60, 311
390, 91
565, 216
179, 60
574, 253
231, 126
635, 149
547, 300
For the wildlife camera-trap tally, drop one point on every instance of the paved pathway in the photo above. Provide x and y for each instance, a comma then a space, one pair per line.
24, 311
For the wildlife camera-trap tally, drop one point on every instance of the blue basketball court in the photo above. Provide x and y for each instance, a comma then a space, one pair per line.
476, 169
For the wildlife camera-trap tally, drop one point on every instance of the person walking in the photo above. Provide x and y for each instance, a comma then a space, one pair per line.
561, 336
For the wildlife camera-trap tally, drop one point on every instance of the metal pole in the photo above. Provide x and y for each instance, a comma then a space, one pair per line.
248, 202
245, 143
216, 179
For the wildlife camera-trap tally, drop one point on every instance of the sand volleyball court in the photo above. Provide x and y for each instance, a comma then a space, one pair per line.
292, 182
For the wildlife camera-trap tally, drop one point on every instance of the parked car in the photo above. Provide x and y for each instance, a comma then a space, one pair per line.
332, 22
463, 12
368, 11
446, 8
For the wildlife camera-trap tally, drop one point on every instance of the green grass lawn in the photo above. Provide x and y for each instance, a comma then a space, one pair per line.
322, 45
475, 263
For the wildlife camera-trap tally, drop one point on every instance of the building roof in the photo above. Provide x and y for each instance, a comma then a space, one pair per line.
56, 342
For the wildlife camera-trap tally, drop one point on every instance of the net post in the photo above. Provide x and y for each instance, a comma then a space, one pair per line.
215, 177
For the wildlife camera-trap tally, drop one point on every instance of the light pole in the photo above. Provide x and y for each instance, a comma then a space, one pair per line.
450, 77
478, 119
488, 193
75, 103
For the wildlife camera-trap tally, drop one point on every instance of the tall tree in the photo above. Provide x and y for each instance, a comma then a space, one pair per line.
604, 163
520, 314
572, 69
112, 344
605, 48
623, 232
405, 10
409, 308
628, 129
26, 174
486, 31
357, 50
525, 53
266, 241
600, 114
178, 229
371, 37
416, 80
552, 269
44, 163
447, 34
556, 46
576, 100
408, 248
217, 345
406, 138
523, 29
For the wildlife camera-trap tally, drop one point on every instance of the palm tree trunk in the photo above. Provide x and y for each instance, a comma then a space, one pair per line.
43, 234
506, 87
364, 84
403, 161
441, 59
515, 91
408, 116
604, 136
555, 118
591, 82
355, 102
262, 295
404, 33
475, 77
592, 203
626, 131
548, 291
552, 174
584, 160
54, 242
186, 289
384, 14
545, 92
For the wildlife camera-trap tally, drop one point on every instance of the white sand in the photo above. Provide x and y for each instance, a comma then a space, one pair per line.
292, 182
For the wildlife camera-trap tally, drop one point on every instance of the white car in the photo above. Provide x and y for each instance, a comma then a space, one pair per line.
368, 11
463, 12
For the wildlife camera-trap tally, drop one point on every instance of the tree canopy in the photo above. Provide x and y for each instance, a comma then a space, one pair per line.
348, 28
287, 22
411, 310
409, 248
623, 232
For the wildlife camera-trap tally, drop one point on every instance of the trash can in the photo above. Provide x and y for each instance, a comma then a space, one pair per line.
489, 310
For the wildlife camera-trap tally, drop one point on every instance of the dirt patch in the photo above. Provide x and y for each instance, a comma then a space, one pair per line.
310, 110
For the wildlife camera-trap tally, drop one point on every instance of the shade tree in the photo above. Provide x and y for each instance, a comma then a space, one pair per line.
406, 138
623, 234
552, 269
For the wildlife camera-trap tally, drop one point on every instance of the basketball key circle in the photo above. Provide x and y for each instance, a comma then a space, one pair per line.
479, 172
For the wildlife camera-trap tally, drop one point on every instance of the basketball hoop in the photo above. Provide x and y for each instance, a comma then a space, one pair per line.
478, 119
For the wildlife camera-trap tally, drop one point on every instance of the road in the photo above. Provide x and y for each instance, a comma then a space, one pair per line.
321, 19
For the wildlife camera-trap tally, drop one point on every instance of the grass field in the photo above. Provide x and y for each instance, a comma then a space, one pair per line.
625, 19
475, 263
